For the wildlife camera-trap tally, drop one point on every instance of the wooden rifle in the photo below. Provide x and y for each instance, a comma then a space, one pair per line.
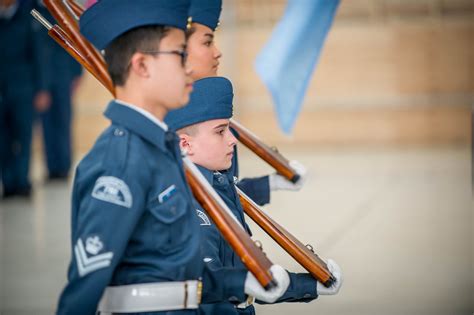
70, 27
301, 253
252, 257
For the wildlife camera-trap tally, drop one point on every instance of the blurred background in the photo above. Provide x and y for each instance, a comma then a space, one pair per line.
385, 132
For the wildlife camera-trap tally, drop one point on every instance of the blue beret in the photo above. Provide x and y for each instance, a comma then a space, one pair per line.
206, 12
108, 19
211, 99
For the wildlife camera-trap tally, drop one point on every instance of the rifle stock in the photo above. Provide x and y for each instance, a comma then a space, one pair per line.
301, 253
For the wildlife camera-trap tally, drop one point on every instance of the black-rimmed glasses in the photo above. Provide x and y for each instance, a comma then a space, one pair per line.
183, 54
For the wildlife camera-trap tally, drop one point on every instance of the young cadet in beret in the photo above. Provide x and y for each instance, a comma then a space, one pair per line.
203, 128
135, 235
203, 58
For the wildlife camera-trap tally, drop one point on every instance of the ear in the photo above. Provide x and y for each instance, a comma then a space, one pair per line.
139, 65
185, 143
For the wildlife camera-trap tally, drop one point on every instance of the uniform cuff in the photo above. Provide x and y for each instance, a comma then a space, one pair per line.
235, 286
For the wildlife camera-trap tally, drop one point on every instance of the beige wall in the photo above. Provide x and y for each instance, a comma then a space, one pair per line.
391, 72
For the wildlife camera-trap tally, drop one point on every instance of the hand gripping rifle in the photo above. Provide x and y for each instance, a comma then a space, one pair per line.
252, 257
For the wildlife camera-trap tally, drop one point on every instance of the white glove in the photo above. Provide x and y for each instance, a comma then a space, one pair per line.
253, 287
337, 273
278, 182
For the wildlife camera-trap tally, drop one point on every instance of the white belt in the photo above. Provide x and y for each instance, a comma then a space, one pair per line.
150, 297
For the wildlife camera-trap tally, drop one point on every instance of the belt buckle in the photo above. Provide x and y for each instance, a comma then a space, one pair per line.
250, 300
198, 293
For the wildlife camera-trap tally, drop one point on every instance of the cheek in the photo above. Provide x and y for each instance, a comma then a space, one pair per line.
172, 86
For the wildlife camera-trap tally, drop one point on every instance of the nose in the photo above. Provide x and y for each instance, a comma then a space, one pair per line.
217, 53
232, 139
188, 69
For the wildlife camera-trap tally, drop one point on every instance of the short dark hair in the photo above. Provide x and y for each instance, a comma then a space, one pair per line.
120, 51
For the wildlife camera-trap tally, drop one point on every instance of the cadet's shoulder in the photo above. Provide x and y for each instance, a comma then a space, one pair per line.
117, 150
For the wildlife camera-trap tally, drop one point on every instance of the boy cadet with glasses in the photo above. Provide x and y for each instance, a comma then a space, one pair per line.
135, 234
203, 58
203, 128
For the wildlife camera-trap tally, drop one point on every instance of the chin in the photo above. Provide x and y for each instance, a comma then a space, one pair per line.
226, 166
184, 100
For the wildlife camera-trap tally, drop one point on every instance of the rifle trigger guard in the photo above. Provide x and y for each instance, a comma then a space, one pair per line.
259, 244
310, 247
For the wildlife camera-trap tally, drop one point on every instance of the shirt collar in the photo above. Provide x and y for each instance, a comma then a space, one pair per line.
145, 113
140, 124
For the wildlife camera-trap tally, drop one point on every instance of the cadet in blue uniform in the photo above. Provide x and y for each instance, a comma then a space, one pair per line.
135, 236
19, 81
203, 127
62, 75
203, 58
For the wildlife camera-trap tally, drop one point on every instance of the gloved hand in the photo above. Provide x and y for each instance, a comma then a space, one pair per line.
253, 287
337, 273
278, 182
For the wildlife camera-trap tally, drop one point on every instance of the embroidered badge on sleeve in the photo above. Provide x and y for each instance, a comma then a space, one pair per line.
114, 190
87, 264
205, 220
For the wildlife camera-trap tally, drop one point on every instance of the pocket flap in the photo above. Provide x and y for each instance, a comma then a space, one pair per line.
171, 210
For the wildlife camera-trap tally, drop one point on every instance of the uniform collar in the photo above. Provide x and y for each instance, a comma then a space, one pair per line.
144, 113
139, 123
208, 174
212, 176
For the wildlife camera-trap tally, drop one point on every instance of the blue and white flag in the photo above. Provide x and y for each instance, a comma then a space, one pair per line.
287, 61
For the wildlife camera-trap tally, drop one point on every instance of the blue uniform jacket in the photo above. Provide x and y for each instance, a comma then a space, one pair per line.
133, 219
218, 254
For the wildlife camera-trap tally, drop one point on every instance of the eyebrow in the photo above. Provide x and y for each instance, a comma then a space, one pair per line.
210, 35
221, 125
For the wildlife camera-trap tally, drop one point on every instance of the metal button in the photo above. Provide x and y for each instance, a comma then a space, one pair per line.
169, 136
118, 132
307, 296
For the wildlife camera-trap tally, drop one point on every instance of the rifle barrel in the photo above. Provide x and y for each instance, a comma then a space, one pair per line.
300, 252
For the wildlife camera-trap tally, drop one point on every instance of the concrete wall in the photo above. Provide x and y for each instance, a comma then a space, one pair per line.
391, 72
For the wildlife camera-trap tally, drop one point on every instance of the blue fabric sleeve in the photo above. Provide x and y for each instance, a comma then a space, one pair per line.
258, 189
302, 288
220, 283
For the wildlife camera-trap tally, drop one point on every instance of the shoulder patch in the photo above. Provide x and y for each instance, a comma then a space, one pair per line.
114, 190
205, 220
